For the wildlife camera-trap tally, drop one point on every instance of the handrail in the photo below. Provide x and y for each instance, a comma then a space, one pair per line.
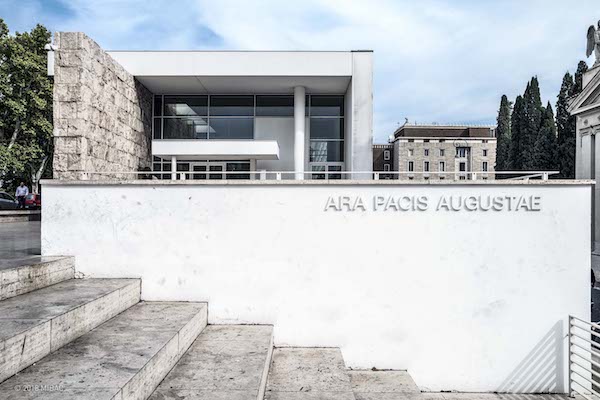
330, 175
583, 372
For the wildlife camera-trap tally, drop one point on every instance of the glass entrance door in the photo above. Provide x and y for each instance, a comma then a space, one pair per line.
207, 170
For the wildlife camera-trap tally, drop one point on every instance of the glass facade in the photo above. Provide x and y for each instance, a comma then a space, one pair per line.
232, 117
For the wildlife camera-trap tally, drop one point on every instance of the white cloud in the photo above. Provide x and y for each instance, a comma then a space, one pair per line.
444, 61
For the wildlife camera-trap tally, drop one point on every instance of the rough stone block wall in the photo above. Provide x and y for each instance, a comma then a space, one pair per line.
102, 114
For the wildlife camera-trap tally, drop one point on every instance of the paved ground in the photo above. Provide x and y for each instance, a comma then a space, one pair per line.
19, 239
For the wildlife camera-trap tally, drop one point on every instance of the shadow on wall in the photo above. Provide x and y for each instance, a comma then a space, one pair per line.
542, 370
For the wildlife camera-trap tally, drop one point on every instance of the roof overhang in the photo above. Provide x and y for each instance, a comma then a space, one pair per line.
195, 149
578, 104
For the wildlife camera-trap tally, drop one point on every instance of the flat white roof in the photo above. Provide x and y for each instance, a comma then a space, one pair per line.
235, 63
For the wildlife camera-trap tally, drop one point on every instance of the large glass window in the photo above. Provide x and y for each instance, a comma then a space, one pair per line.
231, 105
186, 105
327, 106
326, 115
203, 117
231, 128
275, 106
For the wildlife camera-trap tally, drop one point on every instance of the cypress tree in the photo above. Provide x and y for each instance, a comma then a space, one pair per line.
545, 149
516, 128
582, 68
532, 111
503, 135
565, 125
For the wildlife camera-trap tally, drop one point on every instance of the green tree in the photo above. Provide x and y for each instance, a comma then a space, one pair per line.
565, 125
516, 128
532, 111
582, 68
545, 150
25, 106
503, 135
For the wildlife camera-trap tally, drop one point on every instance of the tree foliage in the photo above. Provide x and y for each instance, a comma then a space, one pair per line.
565, 124
545, 148
25, 105
503, 133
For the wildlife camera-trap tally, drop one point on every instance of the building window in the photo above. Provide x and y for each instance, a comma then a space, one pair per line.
442, 152
426, 152
462, 167
275, 106
203, 117
386, 155
485, 152
411, 152
461, 152
326, 117
484, 166
411, 166
326, 171
442, 166
426, 141
386, 167
425, 166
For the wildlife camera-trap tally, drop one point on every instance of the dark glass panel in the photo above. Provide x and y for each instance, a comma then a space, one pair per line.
231, 128
275, 106
326, 106
185, 128
186, 105
326, 128
238, 167
157, 126
157, 106
326, 151
231, 105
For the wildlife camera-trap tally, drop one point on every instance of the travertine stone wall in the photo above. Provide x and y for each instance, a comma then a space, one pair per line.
102, 114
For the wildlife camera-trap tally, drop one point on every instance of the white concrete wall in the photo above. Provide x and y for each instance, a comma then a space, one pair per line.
361, 157
465, 300
282, 130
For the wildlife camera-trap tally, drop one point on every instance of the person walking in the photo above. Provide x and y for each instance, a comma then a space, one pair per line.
21, 193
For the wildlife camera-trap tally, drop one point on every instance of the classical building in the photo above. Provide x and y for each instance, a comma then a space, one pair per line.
444, 152
586, 108
210, 114
383, 160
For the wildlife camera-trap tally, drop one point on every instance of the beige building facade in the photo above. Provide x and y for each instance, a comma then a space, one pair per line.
423, 152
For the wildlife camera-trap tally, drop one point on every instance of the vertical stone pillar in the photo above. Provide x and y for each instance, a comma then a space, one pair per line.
299, 130
173, 167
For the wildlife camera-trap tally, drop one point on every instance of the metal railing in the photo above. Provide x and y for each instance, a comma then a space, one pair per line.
322, 175
584, 358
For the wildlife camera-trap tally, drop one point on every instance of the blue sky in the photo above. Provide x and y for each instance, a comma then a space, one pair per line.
435, 61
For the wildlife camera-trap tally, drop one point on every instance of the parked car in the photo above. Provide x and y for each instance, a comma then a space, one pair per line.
33, 201
7, 202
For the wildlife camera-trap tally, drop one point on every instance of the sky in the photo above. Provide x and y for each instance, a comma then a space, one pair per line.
435, 61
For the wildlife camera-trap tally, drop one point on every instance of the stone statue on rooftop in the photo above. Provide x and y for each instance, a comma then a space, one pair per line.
593, 43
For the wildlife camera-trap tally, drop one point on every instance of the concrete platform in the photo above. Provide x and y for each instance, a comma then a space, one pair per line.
228, 362
20, 239
23, 275
124, 358
9, 216
308, 374
384, 385
35, 324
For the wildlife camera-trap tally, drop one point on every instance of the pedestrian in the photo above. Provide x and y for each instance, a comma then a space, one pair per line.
21, 193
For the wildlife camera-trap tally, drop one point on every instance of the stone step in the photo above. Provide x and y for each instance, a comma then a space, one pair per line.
124, 358
23, 275
37, 323
384, 385
225, 362
308, 374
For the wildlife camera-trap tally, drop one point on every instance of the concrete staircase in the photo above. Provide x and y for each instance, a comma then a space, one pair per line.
65, 338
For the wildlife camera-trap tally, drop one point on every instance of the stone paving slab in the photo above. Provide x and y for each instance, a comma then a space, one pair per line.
308, 374
33, 325
384, 385
112, 362
225, 362
23, 275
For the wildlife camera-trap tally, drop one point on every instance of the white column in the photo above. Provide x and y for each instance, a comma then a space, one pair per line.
173, 167
253, 169
299, 130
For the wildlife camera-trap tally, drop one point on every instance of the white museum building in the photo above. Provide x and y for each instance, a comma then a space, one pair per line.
467, 284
